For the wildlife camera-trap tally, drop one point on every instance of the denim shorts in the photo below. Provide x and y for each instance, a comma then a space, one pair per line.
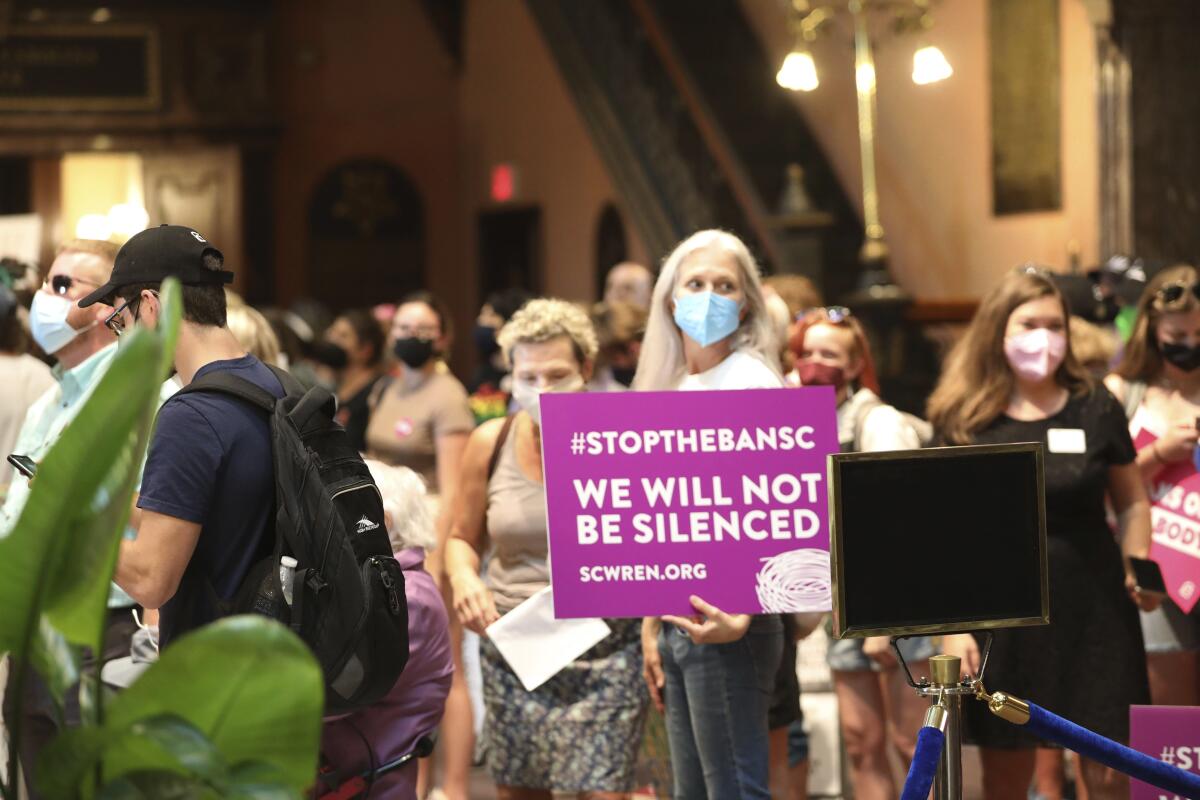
1169, 630
846, 655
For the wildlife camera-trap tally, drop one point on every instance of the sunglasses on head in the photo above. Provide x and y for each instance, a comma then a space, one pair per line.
834, 314
1176, 291
61, 284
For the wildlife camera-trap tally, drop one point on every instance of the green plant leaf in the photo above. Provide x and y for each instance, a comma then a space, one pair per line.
59, 557
53, 658
50, 541
247, 683
156, 786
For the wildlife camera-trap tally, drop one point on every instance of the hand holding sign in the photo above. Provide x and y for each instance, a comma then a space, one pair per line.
711, 625
1177, 444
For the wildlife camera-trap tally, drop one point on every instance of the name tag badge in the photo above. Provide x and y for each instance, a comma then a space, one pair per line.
1066, 440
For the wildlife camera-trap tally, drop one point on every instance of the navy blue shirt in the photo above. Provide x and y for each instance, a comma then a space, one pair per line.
210, 463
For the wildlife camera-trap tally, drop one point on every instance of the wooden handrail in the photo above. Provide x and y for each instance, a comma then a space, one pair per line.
934, 311
722, 151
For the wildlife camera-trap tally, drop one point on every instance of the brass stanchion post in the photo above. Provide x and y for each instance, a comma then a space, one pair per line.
946, 675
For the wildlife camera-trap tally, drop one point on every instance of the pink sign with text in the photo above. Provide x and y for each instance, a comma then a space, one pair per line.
655, 496
1175, 513
1169, 733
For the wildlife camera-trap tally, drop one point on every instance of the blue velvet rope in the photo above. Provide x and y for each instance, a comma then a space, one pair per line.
1137, 765
924, 764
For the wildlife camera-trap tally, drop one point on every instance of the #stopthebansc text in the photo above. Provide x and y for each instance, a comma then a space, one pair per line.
698, 509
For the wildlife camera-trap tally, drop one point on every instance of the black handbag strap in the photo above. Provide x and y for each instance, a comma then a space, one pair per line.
500, 440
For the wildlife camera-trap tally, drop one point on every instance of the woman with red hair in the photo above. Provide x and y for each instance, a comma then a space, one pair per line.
875, 701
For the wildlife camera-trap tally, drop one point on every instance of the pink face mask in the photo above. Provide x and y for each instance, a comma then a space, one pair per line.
1035, 354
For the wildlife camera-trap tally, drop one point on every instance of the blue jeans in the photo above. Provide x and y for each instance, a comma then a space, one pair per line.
717, 696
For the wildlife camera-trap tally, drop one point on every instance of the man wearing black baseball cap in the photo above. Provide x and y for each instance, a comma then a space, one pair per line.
208, 487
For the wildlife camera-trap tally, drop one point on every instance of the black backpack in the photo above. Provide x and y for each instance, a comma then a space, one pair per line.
348, 600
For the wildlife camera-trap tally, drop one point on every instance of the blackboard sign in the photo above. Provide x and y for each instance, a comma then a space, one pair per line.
938, 540
74, 68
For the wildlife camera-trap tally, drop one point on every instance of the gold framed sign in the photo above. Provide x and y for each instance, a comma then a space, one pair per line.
938, 540
80, 68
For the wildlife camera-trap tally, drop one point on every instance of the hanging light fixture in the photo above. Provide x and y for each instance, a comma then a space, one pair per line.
799, 71
930, 66
93, 226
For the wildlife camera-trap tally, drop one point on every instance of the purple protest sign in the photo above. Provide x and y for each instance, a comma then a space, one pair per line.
1175, 532
1168, 733
655, 496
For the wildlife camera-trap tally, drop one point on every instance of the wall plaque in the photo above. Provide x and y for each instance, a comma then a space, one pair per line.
1026, 76
80, 68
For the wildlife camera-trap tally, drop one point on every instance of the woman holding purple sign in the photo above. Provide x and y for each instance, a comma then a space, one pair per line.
1158, 382
1013, 378
709, 330
579, 732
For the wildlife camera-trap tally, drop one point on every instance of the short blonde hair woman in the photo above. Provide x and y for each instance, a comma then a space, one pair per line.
579, 732
709, 329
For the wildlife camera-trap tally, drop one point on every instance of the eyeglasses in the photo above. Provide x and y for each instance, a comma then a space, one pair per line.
835, 314
1175, 291
61, 284
116, 323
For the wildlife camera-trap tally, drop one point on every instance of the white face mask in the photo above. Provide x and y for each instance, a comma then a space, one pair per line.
527, 394
48, 322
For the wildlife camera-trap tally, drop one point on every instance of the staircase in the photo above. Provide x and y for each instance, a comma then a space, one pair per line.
681, 102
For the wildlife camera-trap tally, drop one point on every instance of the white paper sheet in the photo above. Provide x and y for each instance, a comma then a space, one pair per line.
536, 645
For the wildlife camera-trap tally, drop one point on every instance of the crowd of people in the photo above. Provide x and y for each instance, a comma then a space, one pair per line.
459, 466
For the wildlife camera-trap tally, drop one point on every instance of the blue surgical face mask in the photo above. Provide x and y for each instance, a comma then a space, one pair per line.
706, 317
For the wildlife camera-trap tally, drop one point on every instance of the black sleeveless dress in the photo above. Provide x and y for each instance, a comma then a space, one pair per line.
1089, 664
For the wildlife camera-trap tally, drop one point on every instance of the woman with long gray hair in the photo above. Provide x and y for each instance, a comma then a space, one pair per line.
709, 330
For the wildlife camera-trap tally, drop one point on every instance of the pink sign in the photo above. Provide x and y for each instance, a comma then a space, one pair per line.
1168, 733
652, 497
1176, 527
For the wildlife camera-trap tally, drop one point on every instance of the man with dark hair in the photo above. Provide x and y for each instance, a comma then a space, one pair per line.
208, 487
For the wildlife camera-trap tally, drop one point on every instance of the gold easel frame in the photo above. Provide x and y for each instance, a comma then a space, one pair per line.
836, 541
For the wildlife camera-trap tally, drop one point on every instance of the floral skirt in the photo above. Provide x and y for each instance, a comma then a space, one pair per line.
578, 732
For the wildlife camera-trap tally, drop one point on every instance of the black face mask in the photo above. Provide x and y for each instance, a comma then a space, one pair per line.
624, 375
485, 341
413, 351
1181, 355
330, 355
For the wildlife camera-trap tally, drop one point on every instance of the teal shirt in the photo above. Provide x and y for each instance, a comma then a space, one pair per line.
45, 421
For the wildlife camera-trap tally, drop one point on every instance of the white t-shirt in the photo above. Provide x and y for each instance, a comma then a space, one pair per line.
25, 379
882, 427
739, 370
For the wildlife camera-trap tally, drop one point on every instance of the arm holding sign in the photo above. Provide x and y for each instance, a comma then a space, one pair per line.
1132, 506
1177, 444
472, 599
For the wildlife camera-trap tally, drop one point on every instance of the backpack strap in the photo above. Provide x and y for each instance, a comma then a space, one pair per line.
286, 379
1135, 393
225, 383
500, 440
378, 389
